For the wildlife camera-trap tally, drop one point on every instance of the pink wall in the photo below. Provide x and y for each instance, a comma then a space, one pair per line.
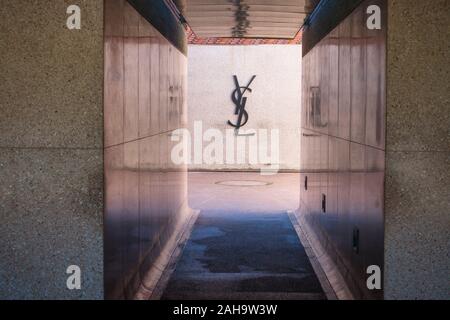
144, 101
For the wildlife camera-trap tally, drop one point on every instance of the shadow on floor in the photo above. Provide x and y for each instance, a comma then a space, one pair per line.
242, 255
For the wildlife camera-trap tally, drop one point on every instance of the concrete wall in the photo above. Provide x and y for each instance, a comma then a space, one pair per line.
51, 152
342, 147
145, 193
272, 104
417, 213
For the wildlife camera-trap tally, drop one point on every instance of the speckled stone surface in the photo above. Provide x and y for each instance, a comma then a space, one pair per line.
51, 157
418, 115
51, 210
417, 207
52, 77
417, 249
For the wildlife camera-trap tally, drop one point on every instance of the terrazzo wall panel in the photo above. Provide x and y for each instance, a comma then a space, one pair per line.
417, 214
51, 149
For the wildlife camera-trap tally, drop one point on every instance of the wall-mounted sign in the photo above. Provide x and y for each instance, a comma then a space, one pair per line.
240, 101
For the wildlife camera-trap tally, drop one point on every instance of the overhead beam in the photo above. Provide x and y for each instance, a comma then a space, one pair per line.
163, 19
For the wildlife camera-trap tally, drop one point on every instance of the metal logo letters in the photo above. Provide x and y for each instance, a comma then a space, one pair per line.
240, 101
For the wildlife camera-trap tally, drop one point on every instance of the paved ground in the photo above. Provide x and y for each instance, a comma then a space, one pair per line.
281, 193
243, 245
235, 255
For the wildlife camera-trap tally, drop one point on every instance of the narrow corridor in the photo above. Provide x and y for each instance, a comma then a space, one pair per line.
243, 255
139, 141
243, 244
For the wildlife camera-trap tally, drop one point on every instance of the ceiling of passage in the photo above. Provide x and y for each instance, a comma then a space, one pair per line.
246, 18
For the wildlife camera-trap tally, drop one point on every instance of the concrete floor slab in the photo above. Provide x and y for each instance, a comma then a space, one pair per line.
243, 255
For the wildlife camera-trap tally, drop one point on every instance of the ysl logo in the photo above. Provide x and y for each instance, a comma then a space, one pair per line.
239, 101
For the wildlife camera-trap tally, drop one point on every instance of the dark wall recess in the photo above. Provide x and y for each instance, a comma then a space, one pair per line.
327, 16
161, 17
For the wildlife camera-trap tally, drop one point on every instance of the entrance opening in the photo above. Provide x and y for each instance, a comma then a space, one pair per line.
239, 164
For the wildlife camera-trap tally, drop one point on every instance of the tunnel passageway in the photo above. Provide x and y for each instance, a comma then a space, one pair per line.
326, 126
240, 248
